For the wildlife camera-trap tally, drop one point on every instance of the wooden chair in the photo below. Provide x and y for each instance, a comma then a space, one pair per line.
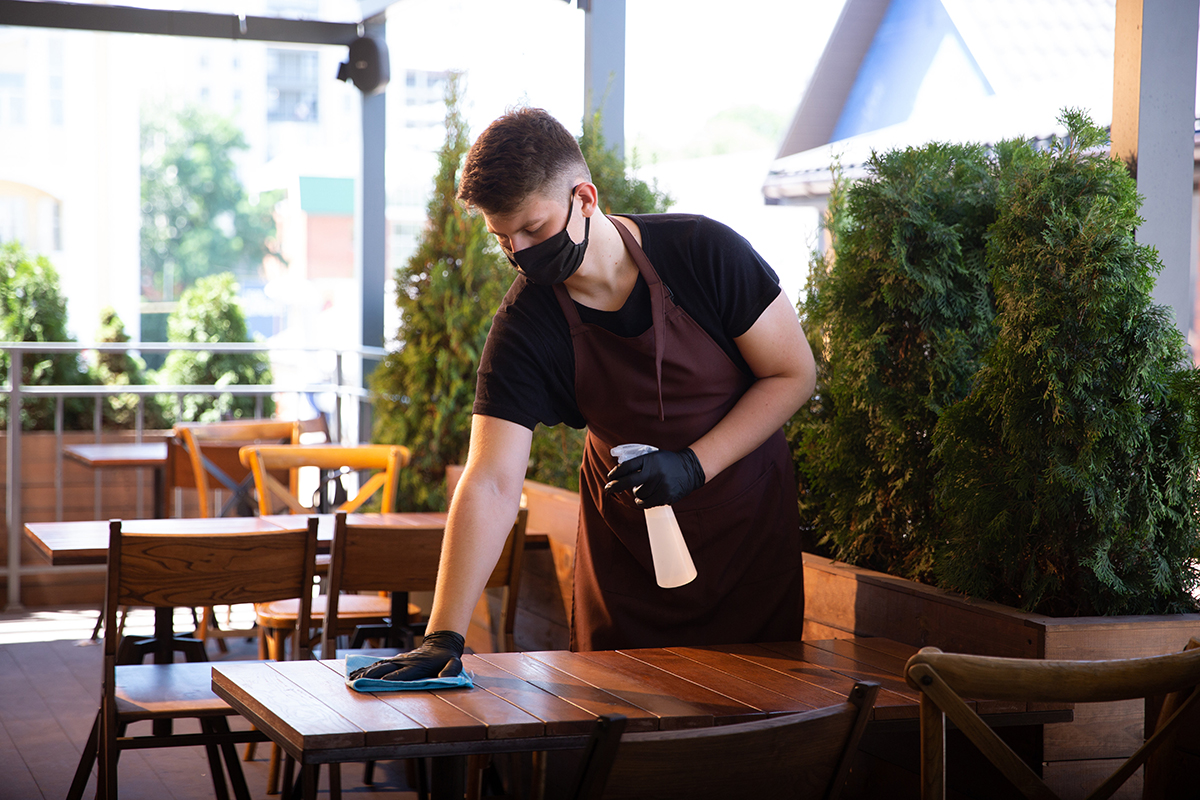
277, 620
373, 558
804, 755
170, 570
947, 680
216, 438
385, 459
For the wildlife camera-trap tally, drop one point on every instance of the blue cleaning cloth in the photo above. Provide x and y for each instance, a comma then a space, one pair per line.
353, 662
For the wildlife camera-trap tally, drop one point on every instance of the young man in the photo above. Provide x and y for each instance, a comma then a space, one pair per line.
666, 330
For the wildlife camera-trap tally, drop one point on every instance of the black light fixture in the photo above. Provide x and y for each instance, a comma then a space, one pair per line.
368, 67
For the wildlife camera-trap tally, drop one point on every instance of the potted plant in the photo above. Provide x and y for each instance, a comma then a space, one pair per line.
1003, 441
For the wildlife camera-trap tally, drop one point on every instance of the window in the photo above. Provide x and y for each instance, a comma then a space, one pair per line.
12, 98
291, 85
54, 78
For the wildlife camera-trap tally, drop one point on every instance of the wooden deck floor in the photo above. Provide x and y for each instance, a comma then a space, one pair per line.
49, 692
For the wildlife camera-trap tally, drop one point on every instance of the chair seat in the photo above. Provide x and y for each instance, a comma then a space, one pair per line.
160, 691
354, 607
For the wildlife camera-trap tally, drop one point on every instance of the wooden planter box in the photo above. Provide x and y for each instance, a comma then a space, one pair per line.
843, 600
83, 497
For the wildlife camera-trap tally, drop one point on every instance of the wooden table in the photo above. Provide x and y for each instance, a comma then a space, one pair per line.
550, 700
86, 542
151, 455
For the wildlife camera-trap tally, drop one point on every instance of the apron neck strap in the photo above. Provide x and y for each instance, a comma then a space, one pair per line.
657, 304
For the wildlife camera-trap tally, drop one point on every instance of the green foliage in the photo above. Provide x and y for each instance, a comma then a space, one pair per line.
209, 313
1000, 407
124, 369
1070, 472
32, 309
197, 219
897, 323
446, 293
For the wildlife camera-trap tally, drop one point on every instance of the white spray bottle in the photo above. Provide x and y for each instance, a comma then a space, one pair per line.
673, 565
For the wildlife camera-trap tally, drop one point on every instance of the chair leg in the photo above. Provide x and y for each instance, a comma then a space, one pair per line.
273, 773
220, 788
237, 779
87, 759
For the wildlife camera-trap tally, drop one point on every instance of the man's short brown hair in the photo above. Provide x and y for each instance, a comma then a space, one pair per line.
523, 152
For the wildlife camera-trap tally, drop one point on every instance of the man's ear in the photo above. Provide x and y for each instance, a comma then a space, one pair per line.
589, 198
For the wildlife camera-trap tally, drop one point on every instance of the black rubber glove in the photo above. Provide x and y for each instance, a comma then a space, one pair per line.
439, 656
659, 478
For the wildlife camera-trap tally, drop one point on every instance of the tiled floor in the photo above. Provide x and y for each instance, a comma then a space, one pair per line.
49, 689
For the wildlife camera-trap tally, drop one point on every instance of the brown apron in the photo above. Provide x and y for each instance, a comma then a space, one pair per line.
667, 388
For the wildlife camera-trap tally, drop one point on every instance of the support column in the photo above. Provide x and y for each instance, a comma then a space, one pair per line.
1153, 131
374, 228
604, 68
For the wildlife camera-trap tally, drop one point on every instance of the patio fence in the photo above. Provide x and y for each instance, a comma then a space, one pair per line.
350, 401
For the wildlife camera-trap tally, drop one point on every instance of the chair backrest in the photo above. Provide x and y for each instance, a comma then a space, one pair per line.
205, 569
948, 681
378, 558
386, 459
803, 755
194, 436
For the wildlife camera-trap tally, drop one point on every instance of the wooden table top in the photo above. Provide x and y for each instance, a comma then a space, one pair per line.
123, 454
550, 700
86, 542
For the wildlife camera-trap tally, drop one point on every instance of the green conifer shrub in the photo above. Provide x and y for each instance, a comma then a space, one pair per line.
896, 320
1069, 477
208, 312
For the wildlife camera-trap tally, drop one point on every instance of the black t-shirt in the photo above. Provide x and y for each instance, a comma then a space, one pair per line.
527, 371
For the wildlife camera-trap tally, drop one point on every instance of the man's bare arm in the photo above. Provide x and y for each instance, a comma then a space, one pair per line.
482, 512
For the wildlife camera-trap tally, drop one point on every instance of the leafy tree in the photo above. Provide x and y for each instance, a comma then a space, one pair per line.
1070, 478
33, 309
447, 293
209, 313
197, 219
897, 321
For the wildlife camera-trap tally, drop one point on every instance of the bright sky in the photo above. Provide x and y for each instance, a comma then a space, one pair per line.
685, 61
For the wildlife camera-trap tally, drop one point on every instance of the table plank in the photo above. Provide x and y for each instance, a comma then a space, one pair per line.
812, 694
894, 701
570, 689
737, 689
119, 454
560, 717
271, 700
381, 723
626, 681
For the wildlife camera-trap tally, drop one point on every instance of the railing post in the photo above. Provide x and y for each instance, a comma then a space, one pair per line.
337, 398
15, 529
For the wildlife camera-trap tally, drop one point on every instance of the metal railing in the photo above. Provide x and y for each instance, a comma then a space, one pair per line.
344, 423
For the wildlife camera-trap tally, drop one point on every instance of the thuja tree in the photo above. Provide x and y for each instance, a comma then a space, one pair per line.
1069, 483
897, 320
446, 293
209, 313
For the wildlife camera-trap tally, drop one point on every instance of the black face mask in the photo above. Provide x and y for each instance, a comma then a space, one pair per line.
555, 259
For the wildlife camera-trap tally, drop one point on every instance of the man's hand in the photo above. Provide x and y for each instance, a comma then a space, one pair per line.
439, 656
659, 478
